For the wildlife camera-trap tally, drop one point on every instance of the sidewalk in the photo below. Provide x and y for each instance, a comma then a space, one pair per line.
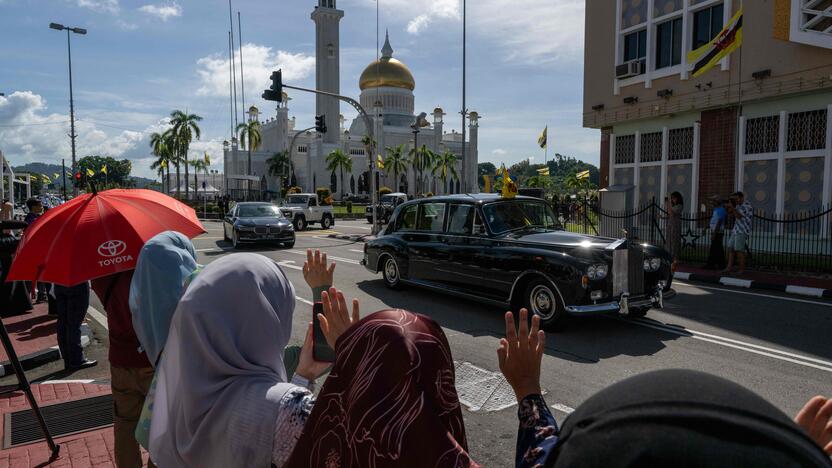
791, 284
34, 336
91, 449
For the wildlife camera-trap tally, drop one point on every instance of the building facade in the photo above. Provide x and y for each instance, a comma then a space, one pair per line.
387, 95
758, 122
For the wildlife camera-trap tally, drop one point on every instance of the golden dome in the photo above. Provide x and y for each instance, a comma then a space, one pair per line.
387, 72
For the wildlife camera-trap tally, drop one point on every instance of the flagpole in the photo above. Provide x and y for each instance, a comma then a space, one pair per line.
737, 138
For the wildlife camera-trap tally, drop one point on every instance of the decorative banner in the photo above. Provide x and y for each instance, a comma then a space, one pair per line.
509, 187
90, 173
543, 171
164, 164
582, 175
727, 41
379, 162
487, 182
104, 169
207, 159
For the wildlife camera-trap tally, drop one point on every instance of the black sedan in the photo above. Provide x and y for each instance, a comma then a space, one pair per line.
257, 222
514, 253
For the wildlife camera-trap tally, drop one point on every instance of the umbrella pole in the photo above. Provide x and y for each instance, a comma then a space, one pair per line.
23, 385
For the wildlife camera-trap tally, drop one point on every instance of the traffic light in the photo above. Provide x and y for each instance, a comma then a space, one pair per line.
320, 123
275, 91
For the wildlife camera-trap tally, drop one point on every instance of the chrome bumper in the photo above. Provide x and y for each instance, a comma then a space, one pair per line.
623, 305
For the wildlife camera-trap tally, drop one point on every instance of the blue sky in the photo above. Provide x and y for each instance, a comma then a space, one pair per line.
141, 59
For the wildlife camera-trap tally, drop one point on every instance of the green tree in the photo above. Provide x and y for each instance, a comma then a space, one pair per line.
200, 165
118, 171
279, 165
395, 162
186, 129
444, 166
250, 138
338, 161
160, 148
422, 160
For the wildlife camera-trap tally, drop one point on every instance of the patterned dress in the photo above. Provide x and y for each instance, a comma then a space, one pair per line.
537, 434
295, 408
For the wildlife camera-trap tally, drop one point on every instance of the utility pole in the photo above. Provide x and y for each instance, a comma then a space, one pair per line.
464, 108
72, 135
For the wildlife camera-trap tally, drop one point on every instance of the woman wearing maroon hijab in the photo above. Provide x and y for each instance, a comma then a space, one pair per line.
389, 401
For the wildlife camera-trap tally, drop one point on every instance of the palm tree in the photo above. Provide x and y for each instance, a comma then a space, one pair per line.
279, 165
160, 149
249, 133
422, 159
200, 165
536, 182
172, 145
396, 162
185, 128
445, 166
337, 160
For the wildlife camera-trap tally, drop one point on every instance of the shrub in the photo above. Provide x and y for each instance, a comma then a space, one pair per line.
384, 191
349, 207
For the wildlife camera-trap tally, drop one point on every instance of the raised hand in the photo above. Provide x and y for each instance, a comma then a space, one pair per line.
520, 354
336, 318
816, 419
308, 367
316, 272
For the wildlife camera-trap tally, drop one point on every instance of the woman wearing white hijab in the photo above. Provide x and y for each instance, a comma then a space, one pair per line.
222, 397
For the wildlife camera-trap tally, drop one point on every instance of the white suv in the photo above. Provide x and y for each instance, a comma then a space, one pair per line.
304, 209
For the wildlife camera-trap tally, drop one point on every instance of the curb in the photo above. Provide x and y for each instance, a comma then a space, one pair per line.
44, 356
751, 284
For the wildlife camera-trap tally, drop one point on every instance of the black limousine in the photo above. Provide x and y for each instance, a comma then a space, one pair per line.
515, 253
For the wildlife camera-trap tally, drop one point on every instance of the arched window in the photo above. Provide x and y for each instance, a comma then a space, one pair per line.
352, 184
333, 182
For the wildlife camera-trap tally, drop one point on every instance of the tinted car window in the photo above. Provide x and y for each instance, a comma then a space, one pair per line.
256, 211
296, 200
518, 214
407, 218
313, 202
431, 217
461, 219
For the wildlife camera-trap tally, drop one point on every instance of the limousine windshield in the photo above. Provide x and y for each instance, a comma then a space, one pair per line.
512, 215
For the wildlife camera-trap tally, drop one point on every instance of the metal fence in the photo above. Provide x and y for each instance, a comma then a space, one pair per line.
778, 242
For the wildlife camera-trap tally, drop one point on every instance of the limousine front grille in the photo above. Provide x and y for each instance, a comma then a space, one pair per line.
628, 271
261, 230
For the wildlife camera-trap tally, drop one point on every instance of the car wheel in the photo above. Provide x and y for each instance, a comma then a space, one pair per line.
289, 244
542, 299
300, 223
326, 223
235, 239
390, 272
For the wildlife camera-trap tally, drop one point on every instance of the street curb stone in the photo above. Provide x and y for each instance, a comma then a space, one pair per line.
44, 356
751, 284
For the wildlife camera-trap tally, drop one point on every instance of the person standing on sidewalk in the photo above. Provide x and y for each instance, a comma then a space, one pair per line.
130, 370
72, 304
716, 256
743, 213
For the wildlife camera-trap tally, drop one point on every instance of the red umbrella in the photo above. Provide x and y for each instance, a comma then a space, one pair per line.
97, 235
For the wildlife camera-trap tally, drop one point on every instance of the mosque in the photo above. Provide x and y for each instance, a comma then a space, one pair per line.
387, 94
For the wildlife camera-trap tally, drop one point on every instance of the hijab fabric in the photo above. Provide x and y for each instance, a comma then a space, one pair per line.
165, 262
221, 376
389, 401
682, 418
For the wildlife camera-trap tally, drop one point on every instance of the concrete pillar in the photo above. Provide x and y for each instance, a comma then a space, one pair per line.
327, 65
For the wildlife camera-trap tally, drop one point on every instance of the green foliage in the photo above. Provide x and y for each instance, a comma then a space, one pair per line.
279, 164
349, 207
422, 160
339, 161
396, 162
445, 167
184, 129
118, 171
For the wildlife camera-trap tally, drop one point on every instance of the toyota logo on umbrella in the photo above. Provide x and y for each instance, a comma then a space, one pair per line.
112, 248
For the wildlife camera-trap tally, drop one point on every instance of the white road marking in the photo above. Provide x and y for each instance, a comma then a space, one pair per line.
769, 296
305, 301
798, 359
98, 317
681, 275
563, 408
337, 259
69, 381
207, 238
215, 249
290, 264
357, 251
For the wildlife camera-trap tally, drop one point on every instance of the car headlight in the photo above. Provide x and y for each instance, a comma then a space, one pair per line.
597, 272
652, 264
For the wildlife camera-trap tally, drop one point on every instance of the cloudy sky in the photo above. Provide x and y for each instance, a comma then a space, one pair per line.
143, 58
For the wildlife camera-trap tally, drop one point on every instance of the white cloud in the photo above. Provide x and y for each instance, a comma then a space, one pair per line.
30, 133
163, 12
417, 24
260, 62
126, 25
499, 152
105, 6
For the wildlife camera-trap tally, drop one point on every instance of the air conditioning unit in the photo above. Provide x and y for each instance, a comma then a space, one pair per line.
629, 69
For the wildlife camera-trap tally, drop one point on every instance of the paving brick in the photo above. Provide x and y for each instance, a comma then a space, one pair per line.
31, 332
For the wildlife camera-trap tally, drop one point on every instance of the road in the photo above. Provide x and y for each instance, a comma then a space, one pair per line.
774, 344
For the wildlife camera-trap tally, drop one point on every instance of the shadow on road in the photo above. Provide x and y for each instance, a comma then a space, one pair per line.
582, 340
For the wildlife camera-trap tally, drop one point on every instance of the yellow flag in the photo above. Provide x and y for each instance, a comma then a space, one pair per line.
582, 175
509, 187
543, 171
90, 172
164, 164
55, 175
379, 162
487, 180
207, 159
104, 169
727, 41
542, 140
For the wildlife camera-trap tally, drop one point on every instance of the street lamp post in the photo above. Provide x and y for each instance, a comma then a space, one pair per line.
421, 121
72, 135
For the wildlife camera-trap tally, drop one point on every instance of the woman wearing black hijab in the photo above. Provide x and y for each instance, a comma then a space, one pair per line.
678, 418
